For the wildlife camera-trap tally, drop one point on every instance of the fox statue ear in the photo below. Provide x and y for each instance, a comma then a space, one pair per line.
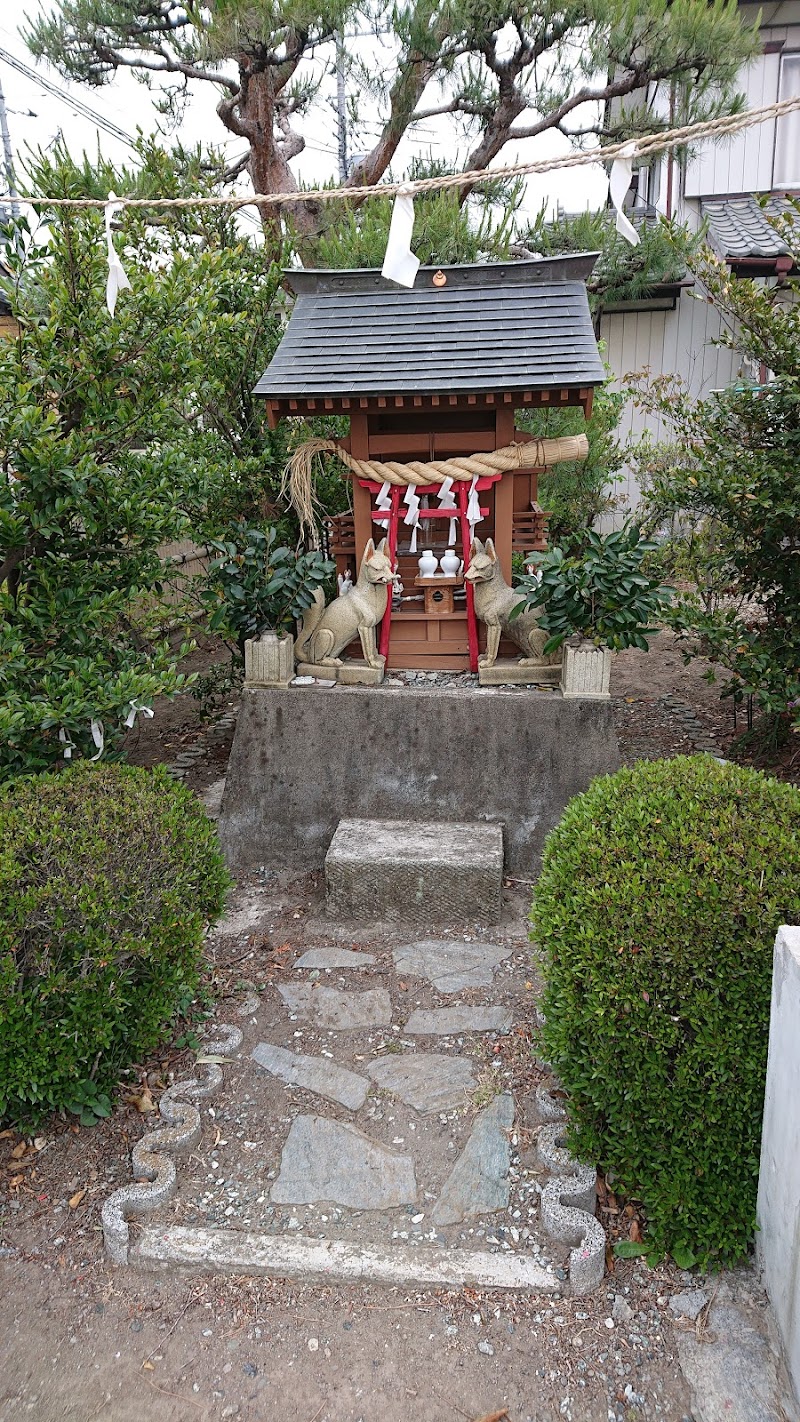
368, 551
475, 547
383, 546
489, 549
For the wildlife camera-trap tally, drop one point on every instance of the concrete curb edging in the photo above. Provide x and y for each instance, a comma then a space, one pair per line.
568, 1198
225, 1251
148, 1157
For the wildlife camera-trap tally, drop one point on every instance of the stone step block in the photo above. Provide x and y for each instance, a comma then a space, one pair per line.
415, 871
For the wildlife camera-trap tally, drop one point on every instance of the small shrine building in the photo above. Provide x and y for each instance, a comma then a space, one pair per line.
429, 374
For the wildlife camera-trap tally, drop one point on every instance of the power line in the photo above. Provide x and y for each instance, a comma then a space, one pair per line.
78, 105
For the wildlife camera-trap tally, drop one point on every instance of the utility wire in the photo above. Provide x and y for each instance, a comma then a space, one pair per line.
77, 104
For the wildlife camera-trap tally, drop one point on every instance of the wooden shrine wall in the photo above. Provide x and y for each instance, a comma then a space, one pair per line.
418, 639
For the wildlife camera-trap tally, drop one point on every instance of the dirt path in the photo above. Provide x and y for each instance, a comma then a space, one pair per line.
86, 1340
83, 1340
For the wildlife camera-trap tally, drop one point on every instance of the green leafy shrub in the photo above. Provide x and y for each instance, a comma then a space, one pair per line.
108, 877
603, 594
660, 895
254, 587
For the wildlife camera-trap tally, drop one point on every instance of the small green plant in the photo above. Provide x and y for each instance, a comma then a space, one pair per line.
109, 876
88, 1104
656, 911
603, 594
254, 587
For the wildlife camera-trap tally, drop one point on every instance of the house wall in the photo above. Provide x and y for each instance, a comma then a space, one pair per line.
677, 341
680, 341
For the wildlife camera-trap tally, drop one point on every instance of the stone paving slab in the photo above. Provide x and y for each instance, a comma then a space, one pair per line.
452, 1021
413, 1101
450, 966
342, 1011
427, 1081
224, 1251
316, 1074
478, 1183
335, 958
331, 1161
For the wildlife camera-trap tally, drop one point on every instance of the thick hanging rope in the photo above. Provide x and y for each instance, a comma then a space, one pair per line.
645, 146
298, 477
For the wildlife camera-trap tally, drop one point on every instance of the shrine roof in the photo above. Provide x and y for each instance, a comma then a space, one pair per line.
495, 327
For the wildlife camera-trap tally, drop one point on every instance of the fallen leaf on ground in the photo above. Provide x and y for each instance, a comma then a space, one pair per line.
148, 1367
18, 1151
75, 1199
635, 1232
15, 1182
493, 1416
144, 1101
5, 1135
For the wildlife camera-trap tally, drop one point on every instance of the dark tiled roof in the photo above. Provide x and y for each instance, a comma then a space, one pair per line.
510, 326
739, 230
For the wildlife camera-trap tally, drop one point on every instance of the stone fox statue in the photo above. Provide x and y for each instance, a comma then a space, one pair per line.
494, 603
326, 631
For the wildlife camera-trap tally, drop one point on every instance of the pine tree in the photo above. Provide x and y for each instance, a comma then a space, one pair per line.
496, 71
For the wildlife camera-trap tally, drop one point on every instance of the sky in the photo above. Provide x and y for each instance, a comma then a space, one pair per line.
36, 118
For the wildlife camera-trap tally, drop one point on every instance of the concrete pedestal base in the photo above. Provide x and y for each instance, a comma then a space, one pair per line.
350, 673
415, 872
515, 674
305, 758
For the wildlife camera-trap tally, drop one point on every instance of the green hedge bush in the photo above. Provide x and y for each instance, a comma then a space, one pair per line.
108, 877
660, 895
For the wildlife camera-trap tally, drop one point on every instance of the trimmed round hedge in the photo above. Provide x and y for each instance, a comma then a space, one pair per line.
660, 895
108, 877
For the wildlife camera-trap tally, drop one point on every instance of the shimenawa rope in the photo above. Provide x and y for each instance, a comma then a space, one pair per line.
645, 146
298, 478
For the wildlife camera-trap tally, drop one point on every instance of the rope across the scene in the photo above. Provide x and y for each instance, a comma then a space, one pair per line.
533, 454
644, 147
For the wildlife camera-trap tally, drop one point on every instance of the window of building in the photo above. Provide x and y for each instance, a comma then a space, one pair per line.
786, 170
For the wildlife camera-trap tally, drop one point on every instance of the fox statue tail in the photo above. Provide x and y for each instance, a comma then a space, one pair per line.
308, 626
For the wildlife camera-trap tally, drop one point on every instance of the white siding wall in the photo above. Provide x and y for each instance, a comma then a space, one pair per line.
742, 164
680, 341
664, 341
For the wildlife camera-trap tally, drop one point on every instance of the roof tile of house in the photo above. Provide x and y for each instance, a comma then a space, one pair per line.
739, 230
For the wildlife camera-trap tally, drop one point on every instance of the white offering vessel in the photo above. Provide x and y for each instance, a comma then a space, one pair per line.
450, 563
428, 564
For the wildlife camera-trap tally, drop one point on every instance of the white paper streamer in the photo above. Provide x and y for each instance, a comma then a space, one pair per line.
117, 280
136, 709
383, 504
411, 501
474, 514
67, 742
98, 736
618, 184
399, 263
447, 500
